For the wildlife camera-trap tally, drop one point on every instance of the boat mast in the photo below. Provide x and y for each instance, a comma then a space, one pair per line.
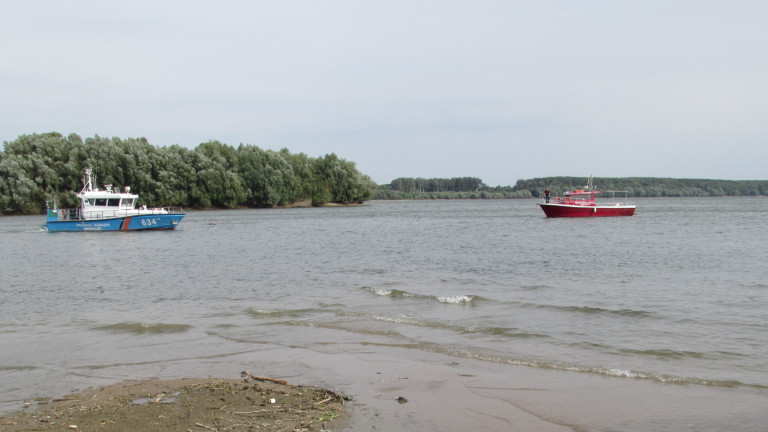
87, 183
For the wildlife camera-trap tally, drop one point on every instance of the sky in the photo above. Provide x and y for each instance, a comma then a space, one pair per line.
498, 90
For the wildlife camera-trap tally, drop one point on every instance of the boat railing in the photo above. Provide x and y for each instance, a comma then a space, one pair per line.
566, 200
71, 214
551, 199
610, 197
77, 214
621, 199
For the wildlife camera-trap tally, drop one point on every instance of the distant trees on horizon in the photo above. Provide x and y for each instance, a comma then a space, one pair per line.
474, 188
649, 187
456, 184
49, 167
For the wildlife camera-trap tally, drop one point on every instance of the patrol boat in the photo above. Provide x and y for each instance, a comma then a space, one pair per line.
110, 210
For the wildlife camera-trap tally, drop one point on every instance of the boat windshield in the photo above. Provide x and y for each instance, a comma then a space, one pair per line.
127, 203
106, 202
582, 197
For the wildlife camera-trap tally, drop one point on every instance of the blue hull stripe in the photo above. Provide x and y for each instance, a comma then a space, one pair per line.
131, 223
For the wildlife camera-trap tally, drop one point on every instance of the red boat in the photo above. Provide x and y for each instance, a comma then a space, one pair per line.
583, 203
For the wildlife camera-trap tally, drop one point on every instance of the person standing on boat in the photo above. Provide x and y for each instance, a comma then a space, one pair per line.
546, 195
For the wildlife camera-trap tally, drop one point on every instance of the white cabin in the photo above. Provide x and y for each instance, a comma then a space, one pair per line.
110, 202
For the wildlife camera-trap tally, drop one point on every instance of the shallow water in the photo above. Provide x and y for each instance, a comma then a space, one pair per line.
675, 295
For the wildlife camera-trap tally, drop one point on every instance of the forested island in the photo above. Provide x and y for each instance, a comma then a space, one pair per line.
474, 188
49, 167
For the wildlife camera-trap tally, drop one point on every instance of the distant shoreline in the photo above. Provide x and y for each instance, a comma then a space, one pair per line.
304, 204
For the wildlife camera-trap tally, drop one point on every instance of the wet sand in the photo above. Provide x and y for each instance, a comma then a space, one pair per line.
445, 394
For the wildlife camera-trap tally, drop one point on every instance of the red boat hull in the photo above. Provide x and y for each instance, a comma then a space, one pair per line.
566, 210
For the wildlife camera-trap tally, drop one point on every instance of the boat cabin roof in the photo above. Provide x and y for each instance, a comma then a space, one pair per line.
90, 192
109, 197
109, 192
580, 192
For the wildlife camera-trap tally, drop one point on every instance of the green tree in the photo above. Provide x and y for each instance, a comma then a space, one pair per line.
49, 166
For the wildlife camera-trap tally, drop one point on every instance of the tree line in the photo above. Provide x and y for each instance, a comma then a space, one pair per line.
651, 187
49, 167
419, 188
456, 184
443, 188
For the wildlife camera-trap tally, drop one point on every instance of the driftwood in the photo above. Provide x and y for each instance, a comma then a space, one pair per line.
247, 375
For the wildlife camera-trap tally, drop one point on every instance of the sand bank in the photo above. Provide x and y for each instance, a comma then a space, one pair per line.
185, 405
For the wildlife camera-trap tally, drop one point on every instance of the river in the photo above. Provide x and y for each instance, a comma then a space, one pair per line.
484, 314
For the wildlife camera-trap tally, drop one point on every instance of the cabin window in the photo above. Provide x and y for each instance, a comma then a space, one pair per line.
100, 202
127, 202
113, 202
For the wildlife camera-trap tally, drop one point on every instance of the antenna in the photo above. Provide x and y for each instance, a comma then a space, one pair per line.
87, 183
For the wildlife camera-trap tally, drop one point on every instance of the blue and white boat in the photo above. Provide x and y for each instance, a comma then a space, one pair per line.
110, 210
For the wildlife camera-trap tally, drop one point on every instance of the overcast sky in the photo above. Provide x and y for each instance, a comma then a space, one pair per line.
500, 90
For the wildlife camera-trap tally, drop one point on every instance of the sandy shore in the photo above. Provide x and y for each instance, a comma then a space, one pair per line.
446, 393
399, 389
185, 405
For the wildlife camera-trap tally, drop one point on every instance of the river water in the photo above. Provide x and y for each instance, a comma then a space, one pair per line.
656, 321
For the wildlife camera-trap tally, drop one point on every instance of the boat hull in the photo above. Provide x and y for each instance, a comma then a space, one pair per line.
565, 210
126, 223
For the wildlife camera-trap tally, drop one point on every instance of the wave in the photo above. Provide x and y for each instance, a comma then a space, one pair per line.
476, 353
533, 287
438, 325
347, 328
569, 367
364, 323
144, 328
396, 293
641, 375
400, 294
592, 310
16, 368
462, 299
623, 373
297, 318
474, 300
282, 313
666, 353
